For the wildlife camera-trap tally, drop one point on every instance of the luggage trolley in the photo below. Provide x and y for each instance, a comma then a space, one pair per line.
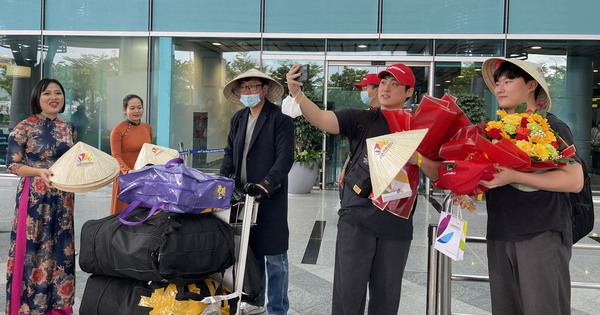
242, 216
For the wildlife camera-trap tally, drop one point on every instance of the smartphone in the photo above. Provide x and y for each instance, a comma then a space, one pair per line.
303, 73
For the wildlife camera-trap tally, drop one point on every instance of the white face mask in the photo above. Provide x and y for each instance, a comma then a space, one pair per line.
250, 100
364, 97
290, 107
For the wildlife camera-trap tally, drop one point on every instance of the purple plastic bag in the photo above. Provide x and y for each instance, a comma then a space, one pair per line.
175, 187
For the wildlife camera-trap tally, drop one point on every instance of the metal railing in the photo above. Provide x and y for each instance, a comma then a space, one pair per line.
440, 277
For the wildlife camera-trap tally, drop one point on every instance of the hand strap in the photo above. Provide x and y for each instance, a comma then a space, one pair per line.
123, 215
173, 161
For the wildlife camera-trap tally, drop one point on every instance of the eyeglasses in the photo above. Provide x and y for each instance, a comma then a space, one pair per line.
251, 88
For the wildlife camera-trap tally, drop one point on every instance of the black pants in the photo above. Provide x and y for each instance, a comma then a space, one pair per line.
363, 259
595, 160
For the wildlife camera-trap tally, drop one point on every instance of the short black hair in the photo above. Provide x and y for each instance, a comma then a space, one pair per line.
512, 71
128, 97
42, 85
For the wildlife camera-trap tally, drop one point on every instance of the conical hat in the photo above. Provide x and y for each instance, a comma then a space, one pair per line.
83, 167
274, 94
90, 186
154, 154
535, 70
388, 154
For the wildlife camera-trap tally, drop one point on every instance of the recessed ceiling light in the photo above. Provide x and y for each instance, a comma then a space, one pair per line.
536, 47
447, 81
477, 69
362, 46
461, 76
514, 55
595, 70
216, 44
437, 84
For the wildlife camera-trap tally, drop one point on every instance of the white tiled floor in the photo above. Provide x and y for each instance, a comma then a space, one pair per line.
311, 284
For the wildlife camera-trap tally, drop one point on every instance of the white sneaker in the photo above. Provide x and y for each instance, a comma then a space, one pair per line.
249, 309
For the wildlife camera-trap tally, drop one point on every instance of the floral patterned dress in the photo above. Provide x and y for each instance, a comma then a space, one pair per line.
47, 239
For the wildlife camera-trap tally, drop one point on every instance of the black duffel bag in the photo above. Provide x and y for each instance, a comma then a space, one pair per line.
179, 248
114, 296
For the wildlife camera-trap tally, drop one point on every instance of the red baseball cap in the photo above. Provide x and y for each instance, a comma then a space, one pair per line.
370, 78
401, 72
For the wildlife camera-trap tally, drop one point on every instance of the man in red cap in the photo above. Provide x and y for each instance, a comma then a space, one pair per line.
368, 90
372, 245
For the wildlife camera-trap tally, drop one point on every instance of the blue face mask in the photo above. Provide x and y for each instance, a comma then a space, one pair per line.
364, 97
250, 100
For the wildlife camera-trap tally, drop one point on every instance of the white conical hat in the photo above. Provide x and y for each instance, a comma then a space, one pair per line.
90, 186
490, 66
154, 154
388, 154
274, 94
83, 168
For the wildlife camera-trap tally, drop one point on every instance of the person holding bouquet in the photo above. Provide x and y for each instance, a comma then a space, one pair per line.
529, 237
372, 245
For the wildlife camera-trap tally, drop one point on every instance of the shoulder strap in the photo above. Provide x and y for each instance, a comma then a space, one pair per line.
363, 138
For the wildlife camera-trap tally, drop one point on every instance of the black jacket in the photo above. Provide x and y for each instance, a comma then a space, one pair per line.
270, 158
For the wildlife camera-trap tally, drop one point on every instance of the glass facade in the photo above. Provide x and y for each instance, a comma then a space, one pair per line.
318, 16
206, 16
444, 17
553, 17
105, 15
180, 65
20, 15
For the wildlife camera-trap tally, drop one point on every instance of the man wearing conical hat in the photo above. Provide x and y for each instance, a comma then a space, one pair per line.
529, 231
259, 155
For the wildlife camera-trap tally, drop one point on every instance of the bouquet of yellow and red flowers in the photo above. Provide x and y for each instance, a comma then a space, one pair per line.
523, 141
531, 132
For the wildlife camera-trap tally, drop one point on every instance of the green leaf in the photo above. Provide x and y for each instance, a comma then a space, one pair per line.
520, 109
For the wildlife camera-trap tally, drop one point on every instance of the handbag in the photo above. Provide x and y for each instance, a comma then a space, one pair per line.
174, 247
173, 187
451, 234
114, 296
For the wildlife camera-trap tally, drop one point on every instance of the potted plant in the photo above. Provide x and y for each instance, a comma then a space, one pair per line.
307, 157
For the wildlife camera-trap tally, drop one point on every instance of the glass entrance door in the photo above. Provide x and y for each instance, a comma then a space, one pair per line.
340, 94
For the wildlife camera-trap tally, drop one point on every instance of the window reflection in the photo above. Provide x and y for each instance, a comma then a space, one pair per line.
97, 72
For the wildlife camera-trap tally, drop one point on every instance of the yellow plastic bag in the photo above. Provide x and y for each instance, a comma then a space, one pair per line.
163, 301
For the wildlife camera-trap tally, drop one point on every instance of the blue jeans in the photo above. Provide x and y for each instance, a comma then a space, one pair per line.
277, 274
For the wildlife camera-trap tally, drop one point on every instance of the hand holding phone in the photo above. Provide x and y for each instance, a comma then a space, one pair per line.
303, 73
